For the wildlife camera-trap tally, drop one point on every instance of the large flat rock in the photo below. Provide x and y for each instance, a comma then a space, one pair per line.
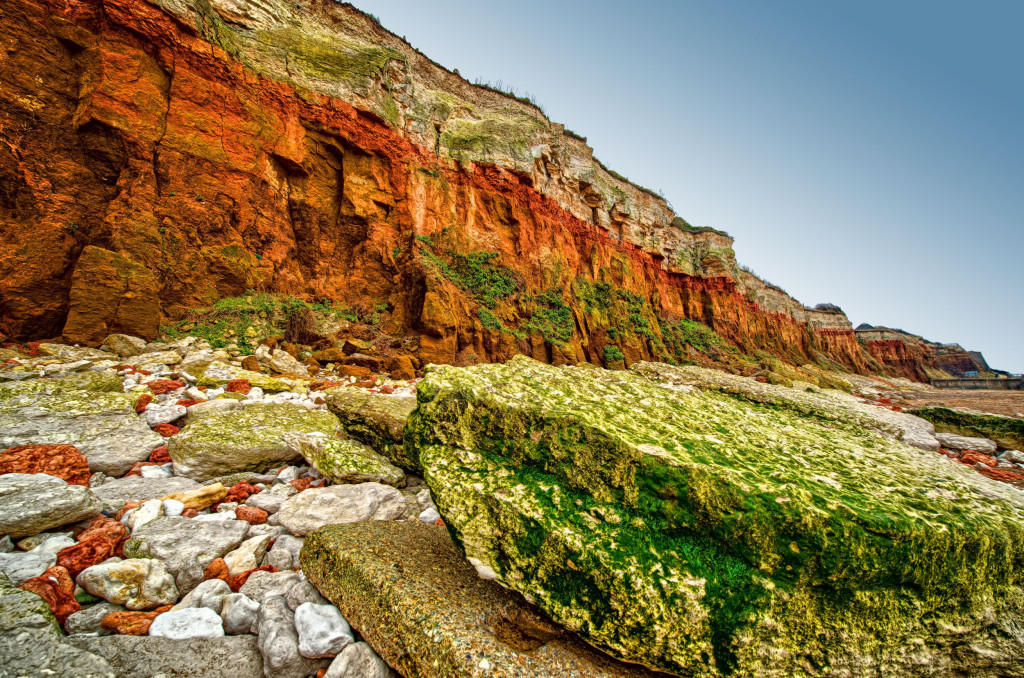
704, 532
411, 594
31, 503
249, 438
145, 657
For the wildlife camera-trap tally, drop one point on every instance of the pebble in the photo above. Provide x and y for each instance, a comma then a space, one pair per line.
173, 507
248, 555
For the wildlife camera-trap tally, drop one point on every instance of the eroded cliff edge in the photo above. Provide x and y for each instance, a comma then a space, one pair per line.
161, 154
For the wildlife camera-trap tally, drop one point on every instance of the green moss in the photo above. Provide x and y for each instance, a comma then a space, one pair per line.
337, 59
552, 318
613, 356
489, 320
229, 319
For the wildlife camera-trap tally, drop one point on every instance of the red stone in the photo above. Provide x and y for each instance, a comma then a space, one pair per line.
301, 484
218, 569
144, 400
160, 455
238, 386
104, 538
970, 457
136, 470
1002, 475
57, 588
189, 403
321, 673
251, 515
897, 408
189, 513
162, 386
62, 461
240, 492
132, 623
166, 430
439, 522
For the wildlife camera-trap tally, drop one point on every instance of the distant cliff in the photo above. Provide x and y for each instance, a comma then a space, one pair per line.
914, 357
161, 154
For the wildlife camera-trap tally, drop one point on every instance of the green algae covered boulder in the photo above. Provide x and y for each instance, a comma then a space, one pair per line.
375, 419
249, 438
701, 533
345, 461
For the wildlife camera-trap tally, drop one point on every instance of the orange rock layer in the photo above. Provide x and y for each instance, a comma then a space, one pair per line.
144, 172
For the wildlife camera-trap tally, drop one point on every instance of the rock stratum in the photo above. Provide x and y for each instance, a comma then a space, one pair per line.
160, 155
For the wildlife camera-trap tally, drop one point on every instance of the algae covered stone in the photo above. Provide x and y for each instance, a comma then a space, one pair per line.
702, 533
375, 419
345, 461
250, 438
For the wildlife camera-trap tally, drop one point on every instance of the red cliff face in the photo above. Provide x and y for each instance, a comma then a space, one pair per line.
150, 165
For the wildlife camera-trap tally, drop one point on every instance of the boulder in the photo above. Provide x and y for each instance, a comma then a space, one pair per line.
345, 461
247, 439
63, 461
262, 586
103, 426
416, 600
30, 504
103, 539
146, 657
375, 419
116, 492
87, 620
187, 623
271, 500
238, 612
200, 497
358, 660
31, 643
279, 642
713, 534
209, 594
186, 546
284, 555
323, 631
20, 566
111, 291
247, 556
123, 345
319, 506
136, 583
952, 441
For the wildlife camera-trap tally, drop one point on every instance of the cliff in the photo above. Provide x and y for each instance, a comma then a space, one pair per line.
914, 357
159, 155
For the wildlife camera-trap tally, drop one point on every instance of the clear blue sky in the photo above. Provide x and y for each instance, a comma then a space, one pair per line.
868, 153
